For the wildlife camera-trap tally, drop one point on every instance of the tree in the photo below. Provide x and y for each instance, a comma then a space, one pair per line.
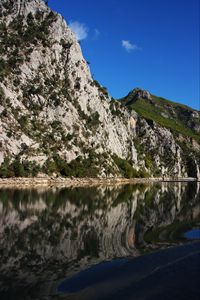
18, 168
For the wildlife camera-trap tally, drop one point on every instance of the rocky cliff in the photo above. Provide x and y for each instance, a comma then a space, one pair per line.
55, 119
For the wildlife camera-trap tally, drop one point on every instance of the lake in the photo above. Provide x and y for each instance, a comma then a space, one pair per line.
100, 242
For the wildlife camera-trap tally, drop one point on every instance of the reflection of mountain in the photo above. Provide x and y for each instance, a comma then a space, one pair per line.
49, 233
166, 211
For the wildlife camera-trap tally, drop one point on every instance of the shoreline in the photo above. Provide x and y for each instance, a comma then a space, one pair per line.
82, 182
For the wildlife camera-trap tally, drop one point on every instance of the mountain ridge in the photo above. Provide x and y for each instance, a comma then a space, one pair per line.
160, 97
159, 109
55, 119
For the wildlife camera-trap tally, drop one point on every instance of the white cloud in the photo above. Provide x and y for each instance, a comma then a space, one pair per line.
80, 30
96, 34
129, 46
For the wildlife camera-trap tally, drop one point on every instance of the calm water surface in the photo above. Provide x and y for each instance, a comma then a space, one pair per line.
193, 234
58, 243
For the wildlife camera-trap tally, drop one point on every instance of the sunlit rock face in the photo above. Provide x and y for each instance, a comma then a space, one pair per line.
54, 84
51, 106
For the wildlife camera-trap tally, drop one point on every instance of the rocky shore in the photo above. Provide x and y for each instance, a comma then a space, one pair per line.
80, 182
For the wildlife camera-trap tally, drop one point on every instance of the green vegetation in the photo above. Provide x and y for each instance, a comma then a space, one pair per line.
38, 31
170, 233
17, 33
127, 170
3, 68
93, 119
65, 45
8, 6
18, 168
2, 96
116, 108
79, 167
23, 121
167, 114
102, 89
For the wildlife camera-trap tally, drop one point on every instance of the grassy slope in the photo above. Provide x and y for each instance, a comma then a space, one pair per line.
167, 114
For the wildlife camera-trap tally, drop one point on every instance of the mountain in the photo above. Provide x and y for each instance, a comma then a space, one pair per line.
56, 119
180, 119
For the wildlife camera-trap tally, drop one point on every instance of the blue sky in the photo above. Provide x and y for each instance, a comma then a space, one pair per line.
152, 44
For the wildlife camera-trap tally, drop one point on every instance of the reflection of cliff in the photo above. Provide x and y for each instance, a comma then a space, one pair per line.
172, 205
67, 224
54, 231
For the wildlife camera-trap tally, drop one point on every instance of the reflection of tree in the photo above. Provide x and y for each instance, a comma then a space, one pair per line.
164, 215
63, 227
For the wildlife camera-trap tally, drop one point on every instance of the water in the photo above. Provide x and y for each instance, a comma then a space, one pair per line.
48, 237
193, 234
90, 276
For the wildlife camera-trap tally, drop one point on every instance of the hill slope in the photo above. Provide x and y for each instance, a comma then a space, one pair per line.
174, 116
55, 119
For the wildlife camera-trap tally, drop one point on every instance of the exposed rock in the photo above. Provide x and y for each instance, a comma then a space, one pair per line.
140, 93
136, 94
52, 112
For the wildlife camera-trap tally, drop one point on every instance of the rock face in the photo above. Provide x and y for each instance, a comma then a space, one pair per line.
136, 94
56, 119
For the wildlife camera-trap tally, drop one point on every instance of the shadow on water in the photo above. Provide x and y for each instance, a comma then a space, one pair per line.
160, 275
57, 243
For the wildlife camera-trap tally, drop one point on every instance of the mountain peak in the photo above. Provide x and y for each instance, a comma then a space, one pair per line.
141, 93
135, 94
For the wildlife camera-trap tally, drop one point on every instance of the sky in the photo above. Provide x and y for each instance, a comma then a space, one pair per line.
151, 44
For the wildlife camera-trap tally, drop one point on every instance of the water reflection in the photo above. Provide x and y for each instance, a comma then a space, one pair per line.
48, 234
193, 234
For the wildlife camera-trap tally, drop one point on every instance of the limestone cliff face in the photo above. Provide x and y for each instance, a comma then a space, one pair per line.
50, 106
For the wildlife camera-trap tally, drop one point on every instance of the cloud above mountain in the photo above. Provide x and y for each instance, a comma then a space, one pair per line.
80, 30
